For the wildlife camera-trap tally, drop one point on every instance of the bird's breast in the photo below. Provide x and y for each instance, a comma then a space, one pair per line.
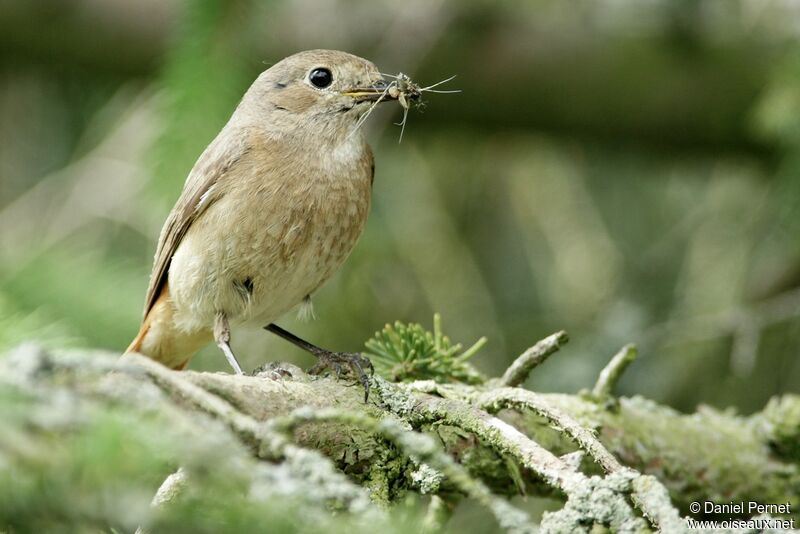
272, 238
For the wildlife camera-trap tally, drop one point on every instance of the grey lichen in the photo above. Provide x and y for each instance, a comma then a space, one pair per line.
426, 479
394, 399
653, 500
780, 421
308, 476
279, 441
423, 449
596, 502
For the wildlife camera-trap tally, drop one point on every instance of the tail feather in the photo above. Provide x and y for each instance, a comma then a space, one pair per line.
136, 344
159, 339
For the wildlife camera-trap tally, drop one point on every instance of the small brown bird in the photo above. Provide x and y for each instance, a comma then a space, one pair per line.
269, 212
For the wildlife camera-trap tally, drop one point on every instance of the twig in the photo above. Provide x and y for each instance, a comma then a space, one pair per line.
652, 498
172, 486
270, 437
647, 493
611, 373
518, 371
557, 473
497, 399
421, 448
420, 408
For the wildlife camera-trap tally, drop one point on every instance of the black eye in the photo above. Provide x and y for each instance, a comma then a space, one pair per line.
320, 78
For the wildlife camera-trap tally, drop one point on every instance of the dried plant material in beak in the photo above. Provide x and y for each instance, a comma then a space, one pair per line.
403, 89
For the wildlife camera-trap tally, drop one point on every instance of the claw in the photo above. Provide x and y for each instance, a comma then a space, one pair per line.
338, 370
339, 361
330, 360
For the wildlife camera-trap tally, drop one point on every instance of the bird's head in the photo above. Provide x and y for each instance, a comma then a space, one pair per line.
326, 90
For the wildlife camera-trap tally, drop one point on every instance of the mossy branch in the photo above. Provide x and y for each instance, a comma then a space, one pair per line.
485, 440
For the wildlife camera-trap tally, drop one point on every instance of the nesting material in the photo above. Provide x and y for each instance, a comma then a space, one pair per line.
406, 91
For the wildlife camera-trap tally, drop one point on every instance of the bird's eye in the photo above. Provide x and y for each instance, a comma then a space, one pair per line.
320, 78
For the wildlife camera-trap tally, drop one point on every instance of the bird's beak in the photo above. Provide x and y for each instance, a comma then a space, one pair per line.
373, 93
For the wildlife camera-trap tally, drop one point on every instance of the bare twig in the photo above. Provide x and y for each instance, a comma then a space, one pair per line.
518, 371
612, 372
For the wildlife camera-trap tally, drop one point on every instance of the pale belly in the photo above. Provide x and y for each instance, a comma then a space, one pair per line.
254, 259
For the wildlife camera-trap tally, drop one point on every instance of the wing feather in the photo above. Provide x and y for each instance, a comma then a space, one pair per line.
199, 192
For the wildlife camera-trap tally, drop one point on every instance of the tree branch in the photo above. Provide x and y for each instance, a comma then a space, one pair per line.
487, 430
518, 371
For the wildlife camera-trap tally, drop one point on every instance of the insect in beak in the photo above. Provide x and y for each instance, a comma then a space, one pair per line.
377, 92
400, 88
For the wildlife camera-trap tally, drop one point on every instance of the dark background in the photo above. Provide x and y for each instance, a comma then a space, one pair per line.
628, 171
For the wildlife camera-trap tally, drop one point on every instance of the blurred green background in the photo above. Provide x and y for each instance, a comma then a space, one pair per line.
624, 170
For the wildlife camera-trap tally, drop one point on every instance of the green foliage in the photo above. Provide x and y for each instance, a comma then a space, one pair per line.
776, 115
203, 77
407, 352
79, 295
17, 327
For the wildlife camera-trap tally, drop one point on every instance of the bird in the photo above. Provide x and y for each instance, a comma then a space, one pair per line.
268, 213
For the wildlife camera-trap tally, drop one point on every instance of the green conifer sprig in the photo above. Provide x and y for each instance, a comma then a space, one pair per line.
407, 352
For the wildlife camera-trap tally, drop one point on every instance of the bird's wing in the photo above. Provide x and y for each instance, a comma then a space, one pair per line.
199, 192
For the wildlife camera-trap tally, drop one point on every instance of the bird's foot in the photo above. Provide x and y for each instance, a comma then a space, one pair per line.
343, 362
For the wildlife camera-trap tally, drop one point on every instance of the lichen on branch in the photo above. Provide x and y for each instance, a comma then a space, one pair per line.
299, 449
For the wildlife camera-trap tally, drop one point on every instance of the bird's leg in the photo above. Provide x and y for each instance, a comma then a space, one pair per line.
222, 335
335, 361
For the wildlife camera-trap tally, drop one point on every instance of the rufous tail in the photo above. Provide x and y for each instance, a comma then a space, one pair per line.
159, 339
